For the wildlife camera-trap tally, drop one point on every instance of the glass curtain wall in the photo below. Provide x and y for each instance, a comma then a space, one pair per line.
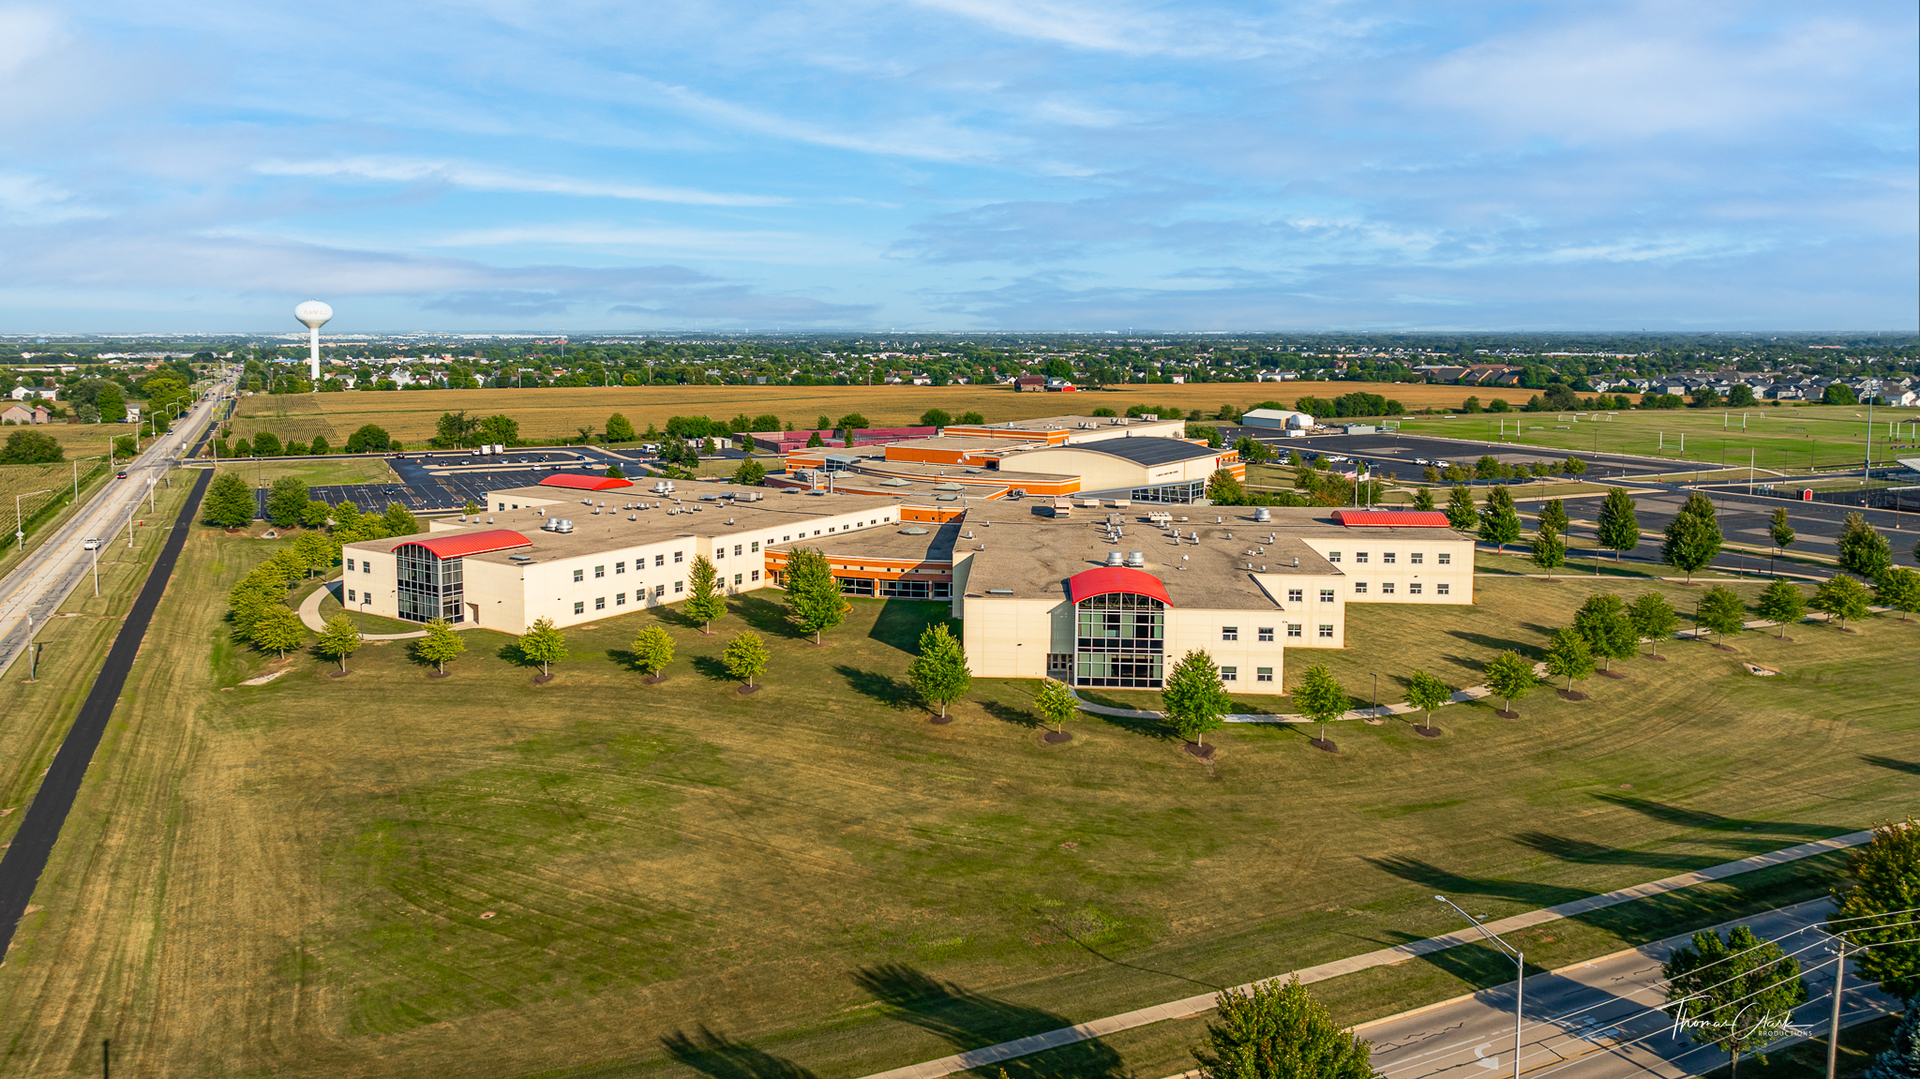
429, 586
1121, 641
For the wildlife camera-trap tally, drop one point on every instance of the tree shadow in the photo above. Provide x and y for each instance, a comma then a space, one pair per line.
882, 688
623, 658
1582, 852
723, 1058
512, 654
1146, 726
765, 617
1006, 713
1498, 644
969, 1020
711, 667
1909, 767
1428, 875
901, 622
1699, 818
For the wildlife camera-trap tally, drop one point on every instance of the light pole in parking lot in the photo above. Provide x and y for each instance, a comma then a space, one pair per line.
1520, 979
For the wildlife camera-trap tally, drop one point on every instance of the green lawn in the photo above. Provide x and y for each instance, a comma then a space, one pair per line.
296, 878
1789, 437
319, 473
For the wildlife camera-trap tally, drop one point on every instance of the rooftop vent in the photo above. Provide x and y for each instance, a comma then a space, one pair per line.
999, 591
1262, 514
564, 525
1137, 559
915, 530
1114, 558
1194, 536
489, 520
1296, 560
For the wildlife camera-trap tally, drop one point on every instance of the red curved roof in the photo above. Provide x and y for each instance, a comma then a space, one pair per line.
1099, 582
466, 543
1391, 518
584, 483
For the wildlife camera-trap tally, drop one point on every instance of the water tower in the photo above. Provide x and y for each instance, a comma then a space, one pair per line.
313, 314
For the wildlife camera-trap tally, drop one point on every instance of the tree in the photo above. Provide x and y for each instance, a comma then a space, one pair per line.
1510, 677
31, 447
1722, 611
1741, 396
813, 596
266, 444
314, 550
1194, 698
939, 673
543, 644
750, 473
1426, 693
369, 438
1836, 394
1898, 588
1608, 628
339, 639
1423, 499
397, 520
499, 430
1692, 537
321, 446
1783, 603
976, 419
1841, 597
1554, 515
1901, 1059
1737, 994
1781, 533
439, 645
1461, 514
229, 502
1863, 549
814, 440
1881, 888
935, 417
1574, 466
240, 448
852, 422
615, 472
1654, 619
1321, 698
111, 403
1277, 1031
1224, 490
1569, 657
1549, 550
278, 628
620, 429
1055, 702
286, 501
652, 651
315, 514
746, 656
1499, 521
705, 602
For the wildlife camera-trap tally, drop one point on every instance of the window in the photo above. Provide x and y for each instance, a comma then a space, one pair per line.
1263, 674
501, 508
679, 587
1266, 634
1359, 588
1120, 640
1229, 633
1293, 629
1333, 556
816, 531
1229, 674
829, 530
659, 590
579, 575
786, 539
1326, 595
1443, 558
1326, 630
736, 550
1413, 589
619, 599
579, 607
1442, 589
736, 580
349, 563
350, 597
676, 557
756, 546
599, 571
1059, 665
1296, 595
1360, 557
720, 552
600, 603
619, 567
1416, 558
659, 560
755, 575
1386, 557
1386, 588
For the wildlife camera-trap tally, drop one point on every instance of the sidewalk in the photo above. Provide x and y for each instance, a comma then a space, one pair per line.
310, 615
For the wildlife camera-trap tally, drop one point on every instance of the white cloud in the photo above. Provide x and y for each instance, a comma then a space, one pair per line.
662, 240
926, 137
481, 178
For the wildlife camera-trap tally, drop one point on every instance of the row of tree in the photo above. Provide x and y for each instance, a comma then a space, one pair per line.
231, 503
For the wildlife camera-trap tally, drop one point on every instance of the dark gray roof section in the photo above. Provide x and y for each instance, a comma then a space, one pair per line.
1145, 451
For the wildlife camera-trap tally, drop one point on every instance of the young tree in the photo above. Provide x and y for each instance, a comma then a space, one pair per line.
1841, 597
315, 552
813, 596
1654, 619
1737, 994
1277, 1031
1863, 549
1510, 677
1224, 490
939, 673
1693, 536
543, 644
1055, 702
1194, 697
1569, 657
229, 502
620, 429
339, 639
1423, 498
1321, 698
1499, 521
1426, 693
1461, 514
1554, 515
1549, 550
1898, 588
1619, 527
746, 656
1783, 603
704, 599
1608, 628
439, 645
399, 521
286, 501
1722, 611
1881, 888
652, 651
1781, 533
470, 509
851, 422
750, 473
277, 628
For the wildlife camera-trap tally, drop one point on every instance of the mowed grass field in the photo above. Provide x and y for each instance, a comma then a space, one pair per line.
386, 874
557, 413
319, 473
1787, 438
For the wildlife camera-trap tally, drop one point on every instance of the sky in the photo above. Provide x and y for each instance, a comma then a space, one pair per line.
1066, 165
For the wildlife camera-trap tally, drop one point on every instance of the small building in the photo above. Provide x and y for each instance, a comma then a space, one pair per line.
21, 415
1278, 419
1030, 384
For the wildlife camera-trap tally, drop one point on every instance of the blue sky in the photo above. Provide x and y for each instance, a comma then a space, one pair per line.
959, 164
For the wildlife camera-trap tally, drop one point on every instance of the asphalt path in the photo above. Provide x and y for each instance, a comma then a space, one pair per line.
1602, 1019
26, 858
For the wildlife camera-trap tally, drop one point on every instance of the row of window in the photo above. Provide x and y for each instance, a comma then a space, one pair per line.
1260, 674
621, 567
1413, 588
1387, 558
1299, 595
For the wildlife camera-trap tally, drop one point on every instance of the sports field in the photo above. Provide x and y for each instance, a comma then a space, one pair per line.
409, 415
1787, 438
387, 874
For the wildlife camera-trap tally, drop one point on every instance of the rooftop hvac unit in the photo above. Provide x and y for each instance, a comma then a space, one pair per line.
565, 525
1137, 559
1114, 558
1195, 537
1262, 514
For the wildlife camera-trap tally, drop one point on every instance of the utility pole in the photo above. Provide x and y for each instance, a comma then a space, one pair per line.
1833, 1024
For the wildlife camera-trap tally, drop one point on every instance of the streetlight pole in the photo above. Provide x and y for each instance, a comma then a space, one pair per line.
19, 528
1833, 1024
1519, 982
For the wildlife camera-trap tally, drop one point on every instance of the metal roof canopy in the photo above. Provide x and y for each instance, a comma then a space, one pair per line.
495, 539
1107, 579
1391, 518
583, 483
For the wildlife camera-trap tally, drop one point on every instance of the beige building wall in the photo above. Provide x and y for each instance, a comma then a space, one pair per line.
1408, 568
1232, 638
1312, 608
1008, 637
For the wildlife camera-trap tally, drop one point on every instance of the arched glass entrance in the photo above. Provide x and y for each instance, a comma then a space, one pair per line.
1120, 640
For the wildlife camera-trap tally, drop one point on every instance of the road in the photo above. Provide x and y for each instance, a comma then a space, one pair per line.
47, 576
1601, 1020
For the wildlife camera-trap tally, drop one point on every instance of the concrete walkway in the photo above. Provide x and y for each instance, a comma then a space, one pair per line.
1471, 693
1202, 1003
310, 614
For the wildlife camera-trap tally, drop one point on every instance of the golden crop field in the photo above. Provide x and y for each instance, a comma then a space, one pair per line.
409, 415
